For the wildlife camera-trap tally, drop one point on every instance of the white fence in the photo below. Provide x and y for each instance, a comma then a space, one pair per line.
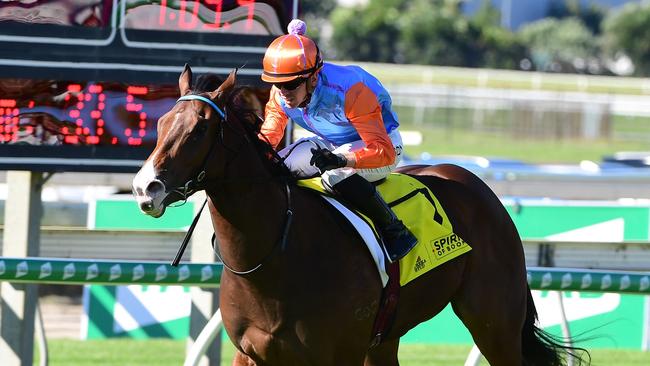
536, 114
162, 245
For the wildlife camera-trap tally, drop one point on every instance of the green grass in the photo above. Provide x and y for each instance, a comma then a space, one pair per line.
123, 352
535, 135
549, 137
437, 141
462, 141
521, 132
115, 352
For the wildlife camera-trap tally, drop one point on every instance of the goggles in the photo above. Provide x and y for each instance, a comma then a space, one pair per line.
292, 84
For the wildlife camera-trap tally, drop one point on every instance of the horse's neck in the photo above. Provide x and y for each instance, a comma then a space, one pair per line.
248, 217
248, 205
247, 223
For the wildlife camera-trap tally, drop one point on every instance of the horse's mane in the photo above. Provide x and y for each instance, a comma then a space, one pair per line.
208, 82
252, 123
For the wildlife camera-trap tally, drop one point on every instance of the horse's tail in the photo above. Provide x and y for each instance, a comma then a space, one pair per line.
544, 349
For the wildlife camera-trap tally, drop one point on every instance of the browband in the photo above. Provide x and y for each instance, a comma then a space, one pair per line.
203, 99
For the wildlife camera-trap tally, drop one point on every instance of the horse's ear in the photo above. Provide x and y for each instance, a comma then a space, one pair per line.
185, 80
226, 86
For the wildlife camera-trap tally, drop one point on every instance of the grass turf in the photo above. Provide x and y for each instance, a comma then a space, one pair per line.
440, 142
127, 352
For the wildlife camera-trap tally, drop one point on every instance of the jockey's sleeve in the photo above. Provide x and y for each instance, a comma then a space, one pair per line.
275, 120
364, 112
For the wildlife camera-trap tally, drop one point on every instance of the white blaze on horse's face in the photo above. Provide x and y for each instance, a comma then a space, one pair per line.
172, 165
149, 191
185, 138
152, 183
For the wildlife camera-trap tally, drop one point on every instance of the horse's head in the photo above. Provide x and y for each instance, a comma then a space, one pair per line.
190, 150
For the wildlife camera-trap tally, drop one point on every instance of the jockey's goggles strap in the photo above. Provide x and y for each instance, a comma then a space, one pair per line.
203, 99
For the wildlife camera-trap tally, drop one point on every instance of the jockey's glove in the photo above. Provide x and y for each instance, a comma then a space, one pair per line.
325, 160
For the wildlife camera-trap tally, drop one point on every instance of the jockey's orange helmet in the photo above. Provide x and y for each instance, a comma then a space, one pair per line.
291, 56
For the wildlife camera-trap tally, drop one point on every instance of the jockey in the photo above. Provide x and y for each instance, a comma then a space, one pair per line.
349, 111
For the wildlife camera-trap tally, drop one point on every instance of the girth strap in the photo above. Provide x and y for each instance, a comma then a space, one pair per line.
389, 299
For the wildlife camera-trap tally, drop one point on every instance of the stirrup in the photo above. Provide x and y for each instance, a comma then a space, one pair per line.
398, 241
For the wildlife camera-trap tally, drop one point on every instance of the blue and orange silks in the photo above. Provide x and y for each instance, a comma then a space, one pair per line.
348, 104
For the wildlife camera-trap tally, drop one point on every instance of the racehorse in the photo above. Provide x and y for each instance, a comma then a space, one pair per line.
299, 287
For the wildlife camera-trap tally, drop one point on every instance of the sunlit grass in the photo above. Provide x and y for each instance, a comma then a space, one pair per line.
126, 352
437, 141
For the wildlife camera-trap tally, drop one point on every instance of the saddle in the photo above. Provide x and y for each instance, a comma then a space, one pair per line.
423, 214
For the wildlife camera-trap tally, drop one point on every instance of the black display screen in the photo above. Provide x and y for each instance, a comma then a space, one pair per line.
83, 82
254, 17
43, 123
55, 113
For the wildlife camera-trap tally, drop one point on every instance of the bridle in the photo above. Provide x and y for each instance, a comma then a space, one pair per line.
197, 183
208, 101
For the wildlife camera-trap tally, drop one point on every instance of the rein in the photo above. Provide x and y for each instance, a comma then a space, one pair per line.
282, 243
192, 186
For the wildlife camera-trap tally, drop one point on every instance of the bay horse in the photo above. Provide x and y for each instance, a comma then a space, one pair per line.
299, 287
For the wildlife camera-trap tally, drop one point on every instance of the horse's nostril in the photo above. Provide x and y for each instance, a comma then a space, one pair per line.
146, 206
154, 188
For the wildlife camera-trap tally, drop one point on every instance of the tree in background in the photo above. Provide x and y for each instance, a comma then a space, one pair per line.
316, 14
560, 44
435, 32
367, 32
487, 15
591, 15
432, 33
627, 32
424, 32
499, 48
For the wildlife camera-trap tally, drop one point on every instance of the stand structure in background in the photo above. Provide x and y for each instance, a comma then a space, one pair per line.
22, 223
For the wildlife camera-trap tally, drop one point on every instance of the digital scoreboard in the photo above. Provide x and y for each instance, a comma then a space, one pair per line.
55, 113
83, 82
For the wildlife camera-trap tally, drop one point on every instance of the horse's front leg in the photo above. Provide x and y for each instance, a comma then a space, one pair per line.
241, 359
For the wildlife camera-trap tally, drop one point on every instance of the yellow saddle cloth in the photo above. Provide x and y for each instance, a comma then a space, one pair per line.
423, 214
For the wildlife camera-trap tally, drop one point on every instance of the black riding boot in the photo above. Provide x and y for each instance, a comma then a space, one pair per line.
363, 195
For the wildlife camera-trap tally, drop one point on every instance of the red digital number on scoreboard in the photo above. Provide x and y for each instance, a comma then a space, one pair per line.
86, 115
187, 16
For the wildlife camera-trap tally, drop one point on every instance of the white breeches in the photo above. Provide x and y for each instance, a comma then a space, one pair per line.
300, 153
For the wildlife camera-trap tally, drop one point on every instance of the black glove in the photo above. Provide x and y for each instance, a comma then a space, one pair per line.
325, 160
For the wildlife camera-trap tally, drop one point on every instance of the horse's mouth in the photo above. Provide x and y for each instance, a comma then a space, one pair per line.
150, 207
155, 213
